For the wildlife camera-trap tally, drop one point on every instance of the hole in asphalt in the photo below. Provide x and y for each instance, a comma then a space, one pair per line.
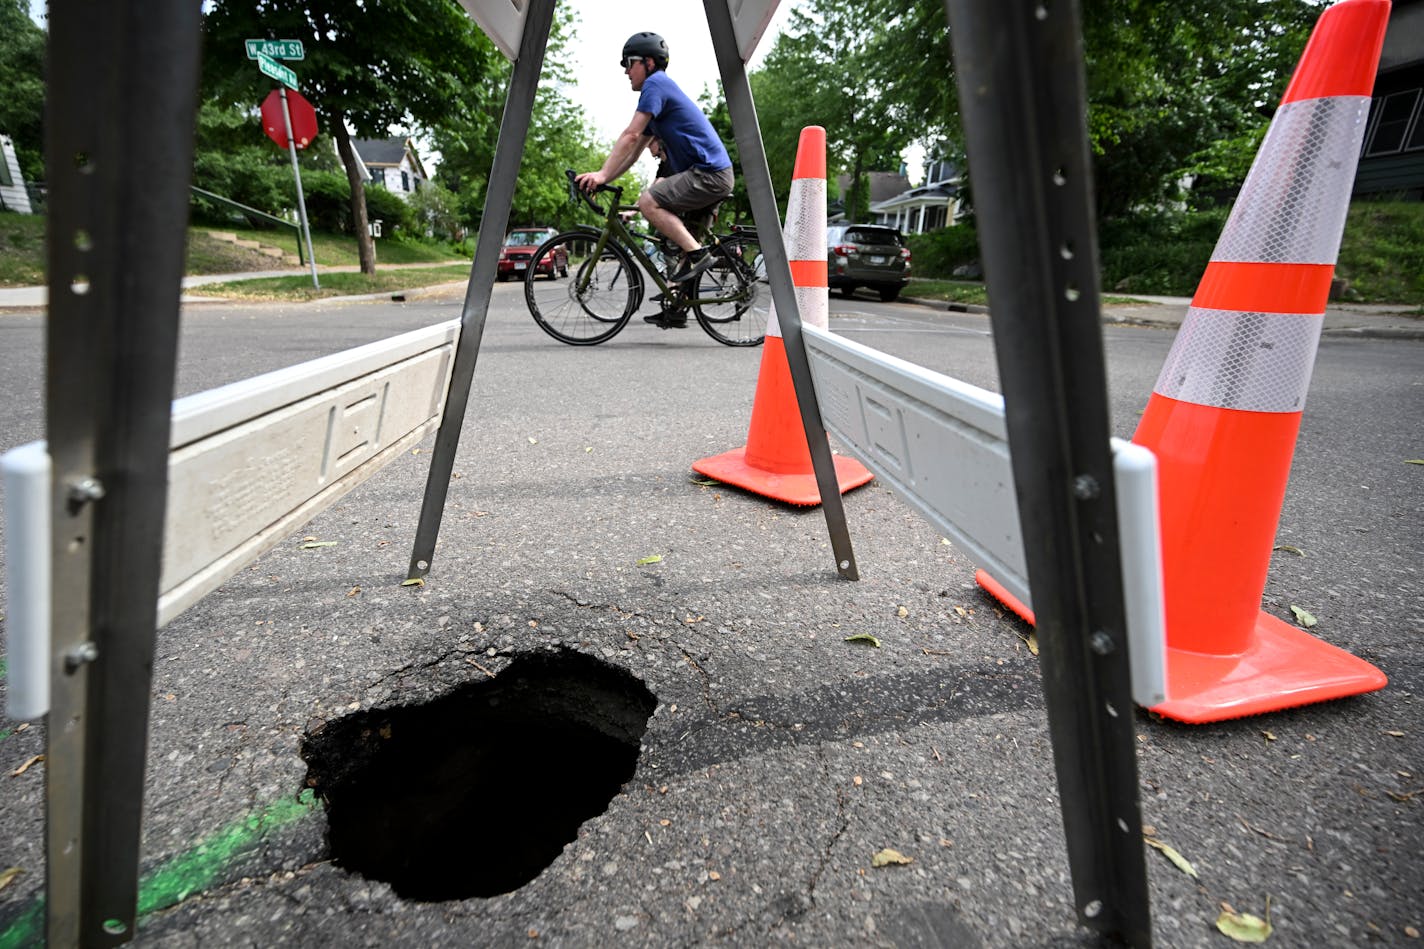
476, 792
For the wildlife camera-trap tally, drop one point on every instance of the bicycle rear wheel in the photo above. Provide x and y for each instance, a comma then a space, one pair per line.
738, 280
595, 301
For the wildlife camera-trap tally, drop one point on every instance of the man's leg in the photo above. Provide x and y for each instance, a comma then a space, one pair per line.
667, 223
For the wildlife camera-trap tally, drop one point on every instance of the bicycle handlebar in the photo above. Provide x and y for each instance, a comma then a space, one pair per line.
576, 194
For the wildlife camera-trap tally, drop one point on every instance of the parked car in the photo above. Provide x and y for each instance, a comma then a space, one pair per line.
518, 250
867, 255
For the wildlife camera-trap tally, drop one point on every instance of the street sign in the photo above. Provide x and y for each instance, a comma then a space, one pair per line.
275, 49
300, 111
270, 67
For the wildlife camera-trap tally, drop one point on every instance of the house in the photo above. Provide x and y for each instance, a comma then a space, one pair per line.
927, 207
392, 163
1392, 159
912, 210
13, 196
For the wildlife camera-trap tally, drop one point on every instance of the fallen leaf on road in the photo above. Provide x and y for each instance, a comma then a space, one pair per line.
863, 638
1179, 861
1303, 617
313, 544
888, 857
1243, 927
413, 582
902, 612
1289, 549
655, 558
26, 766
1269, 736
1395, 734
533, 440
703, 481
354, 591
961, 611
1415, 461
1031, 641
8, 876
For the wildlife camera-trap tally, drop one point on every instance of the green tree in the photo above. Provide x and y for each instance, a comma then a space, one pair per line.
369, 65
22, 47
829, 68
559, 138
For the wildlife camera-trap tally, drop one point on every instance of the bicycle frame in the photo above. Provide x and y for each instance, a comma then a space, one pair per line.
614, 229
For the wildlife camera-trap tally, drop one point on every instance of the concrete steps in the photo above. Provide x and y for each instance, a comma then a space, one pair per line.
287, 258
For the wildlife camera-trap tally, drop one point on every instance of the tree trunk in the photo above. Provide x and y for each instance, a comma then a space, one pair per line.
365, 246
857, 184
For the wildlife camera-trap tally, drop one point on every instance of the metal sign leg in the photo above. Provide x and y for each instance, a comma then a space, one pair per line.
773, 248
504, 172
117, 221
1021, 90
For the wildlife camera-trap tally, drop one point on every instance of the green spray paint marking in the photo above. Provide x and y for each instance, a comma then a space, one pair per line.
186, 874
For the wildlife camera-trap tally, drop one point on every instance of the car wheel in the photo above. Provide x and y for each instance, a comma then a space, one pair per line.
888, 294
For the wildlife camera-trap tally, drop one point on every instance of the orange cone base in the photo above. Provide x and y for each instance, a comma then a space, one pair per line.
731, 467
996, 589
1283, 668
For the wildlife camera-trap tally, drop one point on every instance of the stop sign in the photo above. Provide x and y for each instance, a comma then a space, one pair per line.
303, 118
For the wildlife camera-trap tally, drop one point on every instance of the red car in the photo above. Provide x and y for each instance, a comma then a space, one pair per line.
518, 250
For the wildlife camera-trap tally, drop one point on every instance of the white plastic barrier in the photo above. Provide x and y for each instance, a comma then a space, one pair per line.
943, 446
249, 463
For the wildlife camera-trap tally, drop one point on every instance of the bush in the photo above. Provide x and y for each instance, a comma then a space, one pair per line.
396, 217
1160, 253
936, 254
328, 201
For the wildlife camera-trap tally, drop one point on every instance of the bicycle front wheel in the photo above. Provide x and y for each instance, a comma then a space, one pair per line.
736, 295
595, 301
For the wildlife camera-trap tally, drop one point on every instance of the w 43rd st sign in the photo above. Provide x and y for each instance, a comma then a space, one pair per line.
275, 49
270, 67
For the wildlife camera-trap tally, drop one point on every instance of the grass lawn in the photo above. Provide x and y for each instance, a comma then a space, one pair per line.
299, 287
22, 250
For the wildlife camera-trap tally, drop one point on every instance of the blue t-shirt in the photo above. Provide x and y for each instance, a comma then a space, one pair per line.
689, 138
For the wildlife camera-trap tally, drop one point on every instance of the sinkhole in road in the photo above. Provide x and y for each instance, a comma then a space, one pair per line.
474, 793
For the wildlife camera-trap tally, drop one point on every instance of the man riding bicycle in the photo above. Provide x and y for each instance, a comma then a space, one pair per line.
701, 169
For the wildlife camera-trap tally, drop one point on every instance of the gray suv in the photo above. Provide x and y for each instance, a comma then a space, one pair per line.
867, 255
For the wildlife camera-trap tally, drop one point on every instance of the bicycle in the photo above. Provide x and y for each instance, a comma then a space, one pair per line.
605, 287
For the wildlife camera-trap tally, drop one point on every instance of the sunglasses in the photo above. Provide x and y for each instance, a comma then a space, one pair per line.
628, 63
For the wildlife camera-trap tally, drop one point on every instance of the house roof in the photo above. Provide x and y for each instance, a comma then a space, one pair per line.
937, 194
382, 152
883, 185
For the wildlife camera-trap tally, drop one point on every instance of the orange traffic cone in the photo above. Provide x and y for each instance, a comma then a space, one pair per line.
1225, 411
776, 461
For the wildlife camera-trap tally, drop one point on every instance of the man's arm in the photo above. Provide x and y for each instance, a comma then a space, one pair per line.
626, 150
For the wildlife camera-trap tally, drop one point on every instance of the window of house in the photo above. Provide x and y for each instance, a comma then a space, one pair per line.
405, 181
5, 178
378, 176
1397, 124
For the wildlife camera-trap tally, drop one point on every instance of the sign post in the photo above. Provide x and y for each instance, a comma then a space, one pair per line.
297, 176
264, 52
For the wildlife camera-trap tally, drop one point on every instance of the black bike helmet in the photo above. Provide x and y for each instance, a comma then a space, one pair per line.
649, 45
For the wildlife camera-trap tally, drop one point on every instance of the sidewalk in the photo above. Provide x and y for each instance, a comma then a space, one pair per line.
1372, 320
35, 298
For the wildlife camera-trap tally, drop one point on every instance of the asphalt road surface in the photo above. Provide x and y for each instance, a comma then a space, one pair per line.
779, 757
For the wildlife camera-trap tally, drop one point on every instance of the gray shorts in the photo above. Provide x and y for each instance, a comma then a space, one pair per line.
692, 190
